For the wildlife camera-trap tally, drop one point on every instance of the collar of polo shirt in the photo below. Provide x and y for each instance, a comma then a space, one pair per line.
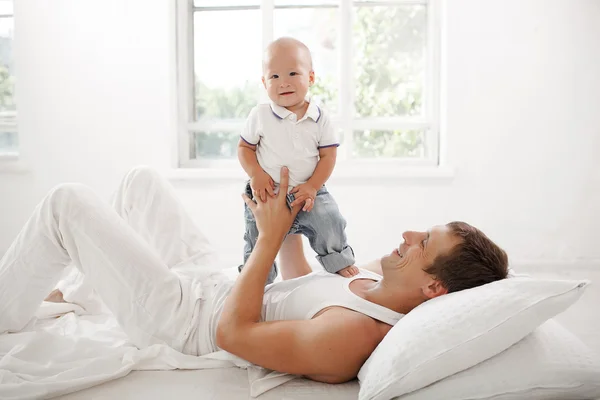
313, 111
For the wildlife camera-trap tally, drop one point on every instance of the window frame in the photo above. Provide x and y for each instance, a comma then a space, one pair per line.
5, 126
430, 121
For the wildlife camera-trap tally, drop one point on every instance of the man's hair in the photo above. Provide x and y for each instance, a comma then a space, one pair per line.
475, 261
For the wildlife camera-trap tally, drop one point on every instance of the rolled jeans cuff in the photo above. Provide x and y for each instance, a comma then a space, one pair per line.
334, 262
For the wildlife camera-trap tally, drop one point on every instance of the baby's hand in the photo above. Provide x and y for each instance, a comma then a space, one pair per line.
304, 194
262, 185
348, 272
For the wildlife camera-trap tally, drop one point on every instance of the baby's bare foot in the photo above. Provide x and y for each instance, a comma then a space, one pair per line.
348, 272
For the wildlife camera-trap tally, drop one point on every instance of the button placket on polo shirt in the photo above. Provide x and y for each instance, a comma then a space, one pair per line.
294, 135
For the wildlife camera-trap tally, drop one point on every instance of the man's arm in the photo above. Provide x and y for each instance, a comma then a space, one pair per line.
327, 158
329, 348
292, 260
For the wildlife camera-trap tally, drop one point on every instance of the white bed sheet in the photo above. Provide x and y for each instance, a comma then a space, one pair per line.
56, 356
226, 384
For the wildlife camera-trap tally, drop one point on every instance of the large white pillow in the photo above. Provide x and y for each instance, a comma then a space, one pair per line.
451, 333
550, 363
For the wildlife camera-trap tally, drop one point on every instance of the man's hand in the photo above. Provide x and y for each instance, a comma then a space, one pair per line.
273, 217
262, 185
304, 194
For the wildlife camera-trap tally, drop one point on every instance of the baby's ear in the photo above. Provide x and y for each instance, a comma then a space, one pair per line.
311, 78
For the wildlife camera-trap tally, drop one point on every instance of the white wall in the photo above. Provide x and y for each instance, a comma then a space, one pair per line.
522, 123
93, 96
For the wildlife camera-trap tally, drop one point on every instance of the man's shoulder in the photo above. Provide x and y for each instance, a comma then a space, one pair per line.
349, 336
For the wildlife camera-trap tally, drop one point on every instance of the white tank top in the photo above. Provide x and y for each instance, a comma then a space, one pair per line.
302, 298
295, 299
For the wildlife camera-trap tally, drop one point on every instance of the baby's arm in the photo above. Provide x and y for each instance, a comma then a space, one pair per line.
305, 193
260, 182
328, 143
249, 139
327, 158
247, 156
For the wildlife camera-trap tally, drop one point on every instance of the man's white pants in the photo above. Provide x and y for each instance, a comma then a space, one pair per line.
126, 251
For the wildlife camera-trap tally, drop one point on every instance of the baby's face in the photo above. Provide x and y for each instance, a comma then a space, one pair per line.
287, 76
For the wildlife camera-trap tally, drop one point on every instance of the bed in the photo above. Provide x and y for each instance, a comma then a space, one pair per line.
236, 383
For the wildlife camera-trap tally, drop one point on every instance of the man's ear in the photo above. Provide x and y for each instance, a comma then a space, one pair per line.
434, 289
264, 82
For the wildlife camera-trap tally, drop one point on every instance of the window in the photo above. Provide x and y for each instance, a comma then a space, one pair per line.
8, 110
376, 65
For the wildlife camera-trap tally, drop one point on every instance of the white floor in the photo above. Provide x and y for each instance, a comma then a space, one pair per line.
583, 319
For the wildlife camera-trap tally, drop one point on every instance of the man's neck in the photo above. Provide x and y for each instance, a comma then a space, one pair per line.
389, 296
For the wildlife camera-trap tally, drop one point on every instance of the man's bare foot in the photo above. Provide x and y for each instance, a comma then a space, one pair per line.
348, 272
55, 296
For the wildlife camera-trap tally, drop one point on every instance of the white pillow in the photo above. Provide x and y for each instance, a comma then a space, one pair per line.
451, 333
550, 363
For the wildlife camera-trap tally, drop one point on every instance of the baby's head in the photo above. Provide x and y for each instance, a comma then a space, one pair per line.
287, 71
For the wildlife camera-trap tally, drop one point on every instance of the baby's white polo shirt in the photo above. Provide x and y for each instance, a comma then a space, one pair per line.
281, 140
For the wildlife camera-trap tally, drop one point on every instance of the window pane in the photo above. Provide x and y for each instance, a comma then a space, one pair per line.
6, 7
389, 144
389, 51
227, 64
7, 79
9, 142
317, 28
213, 144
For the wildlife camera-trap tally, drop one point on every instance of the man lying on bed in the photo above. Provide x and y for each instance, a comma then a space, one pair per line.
319, 325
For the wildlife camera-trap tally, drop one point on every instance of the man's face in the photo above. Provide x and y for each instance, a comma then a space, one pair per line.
417, 252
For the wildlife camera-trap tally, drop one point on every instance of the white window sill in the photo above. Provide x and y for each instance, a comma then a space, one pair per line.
345, 174
11, 164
